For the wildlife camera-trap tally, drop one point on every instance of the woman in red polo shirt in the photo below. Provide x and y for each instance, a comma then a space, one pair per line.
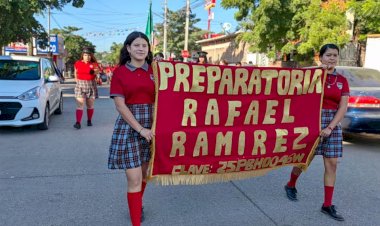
334, 107
133, 91
85, 90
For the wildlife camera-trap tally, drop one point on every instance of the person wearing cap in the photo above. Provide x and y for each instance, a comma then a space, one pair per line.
85, 90
202, 57
158, 56
133, 91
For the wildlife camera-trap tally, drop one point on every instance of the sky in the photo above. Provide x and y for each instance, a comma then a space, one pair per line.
106, 21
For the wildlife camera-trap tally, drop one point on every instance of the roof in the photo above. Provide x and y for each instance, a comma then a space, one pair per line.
229, 36
373, 36
19, 57
356, 68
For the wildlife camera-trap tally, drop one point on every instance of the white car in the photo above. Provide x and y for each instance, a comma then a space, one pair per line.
30, 91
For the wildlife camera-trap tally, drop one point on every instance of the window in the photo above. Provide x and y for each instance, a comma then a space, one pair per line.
47, 69
19, 70
361, 77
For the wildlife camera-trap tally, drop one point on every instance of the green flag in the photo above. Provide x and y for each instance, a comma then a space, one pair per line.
149, 23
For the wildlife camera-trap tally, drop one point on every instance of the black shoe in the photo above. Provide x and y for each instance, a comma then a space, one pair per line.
291, 193
330, 210
77, 125
89, 123
142, 215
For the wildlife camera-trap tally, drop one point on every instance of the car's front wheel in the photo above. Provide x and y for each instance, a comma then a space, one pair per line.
45, 124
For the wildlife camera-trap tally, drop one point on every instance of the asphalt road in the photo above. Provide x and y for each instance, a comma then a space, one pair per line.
60, 177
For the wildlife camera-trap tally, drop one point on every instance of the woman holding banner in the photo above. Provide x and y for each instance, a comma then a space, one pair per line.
133, 91
334, 107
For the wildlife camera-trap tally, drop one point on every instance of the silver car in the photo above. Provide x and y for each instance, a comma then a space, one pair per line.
30, 91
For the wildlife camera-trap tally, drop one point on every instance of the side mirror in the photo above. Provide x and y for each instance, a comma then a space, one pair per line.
53, 78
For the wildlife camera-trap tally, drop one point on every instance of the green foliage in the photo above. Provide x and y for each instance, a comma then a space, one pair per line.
327, 24
367, 17
265, 22
17, 22
291, 26
176, 33
114, 54
73, 43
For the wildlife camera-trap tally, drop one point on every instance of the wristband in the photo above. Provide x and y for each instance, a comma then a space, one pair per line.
330, 128
141, 130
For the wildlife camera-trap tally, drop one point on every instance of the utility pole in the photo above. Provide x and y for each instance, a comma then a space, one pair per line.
48, 31
187, 27
165, 28
209, 24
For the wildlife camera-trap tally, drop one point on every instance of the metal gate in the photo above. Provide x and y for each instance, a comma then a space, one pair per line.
349, 55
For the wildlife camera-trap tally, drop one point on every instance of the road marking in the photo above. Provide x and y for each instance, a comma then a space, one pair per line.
73, 95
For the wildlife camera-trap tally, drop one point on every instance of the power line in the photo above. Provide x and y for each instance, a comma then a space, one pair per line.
56, 22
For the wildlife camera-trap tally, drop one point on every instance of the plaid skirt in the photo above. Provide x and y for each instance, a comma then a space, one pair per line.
128, 148
86, 89
332, 146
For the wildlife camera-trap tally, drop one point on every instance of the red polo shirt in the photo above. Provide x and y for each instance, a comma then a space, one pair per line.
83, 70
136, 85
336, 86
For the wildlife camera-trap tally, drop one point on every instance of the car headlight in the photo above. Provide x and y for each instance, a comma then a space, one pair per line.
30, 94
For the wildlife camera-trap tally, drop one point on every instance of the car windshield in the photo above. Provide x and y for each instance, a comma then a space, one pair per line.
361, 77
19, 70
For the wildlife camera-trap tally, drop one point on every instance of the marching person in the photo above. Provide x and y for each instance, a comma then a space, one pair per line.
334, 107
158, 56
85, 90
133, 91
202, 57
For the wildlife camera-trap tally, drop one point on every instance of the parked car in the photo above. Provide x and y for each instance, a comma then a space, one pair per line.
59, 73
363, 113
30, 91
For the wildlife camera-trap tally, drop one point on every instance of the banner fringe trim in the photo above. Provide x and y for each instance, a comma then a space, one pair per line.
191, 179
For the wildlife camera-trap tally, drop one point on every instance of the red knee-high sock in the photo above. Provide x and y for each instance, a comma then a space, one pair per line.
90, 113
143, 185
135, 205
293, 180
79, 114
329, 191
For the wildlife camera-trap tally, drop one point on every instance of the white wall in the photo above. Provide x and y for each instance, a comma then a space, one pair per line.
372, 58
258, 59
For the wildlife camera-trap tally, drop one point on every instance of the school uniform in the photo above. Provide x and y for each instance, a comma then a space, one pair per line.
128, 148
335, 88
86, 84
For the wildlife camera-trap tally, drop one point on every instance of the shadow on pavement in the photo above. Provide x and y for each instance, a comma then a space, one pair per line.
363, 138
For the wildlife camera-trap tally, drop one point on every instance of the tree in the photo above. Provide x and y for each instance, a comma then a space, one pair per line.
113, 56
322, 23
17, 20
367, 18
73, 44
289, 26
176, 32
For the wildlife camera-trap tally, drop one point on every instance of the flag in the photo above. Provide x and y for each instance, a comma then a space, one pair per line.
149, 24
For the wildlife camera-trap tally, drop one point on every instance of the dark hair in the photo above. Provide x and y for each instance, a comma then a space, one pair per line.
203, 56
124, 54
327, 46
92, 60
159, 54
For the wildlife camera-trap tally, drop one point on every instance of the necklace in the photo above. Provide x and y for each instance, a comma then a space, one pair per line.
331, 84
